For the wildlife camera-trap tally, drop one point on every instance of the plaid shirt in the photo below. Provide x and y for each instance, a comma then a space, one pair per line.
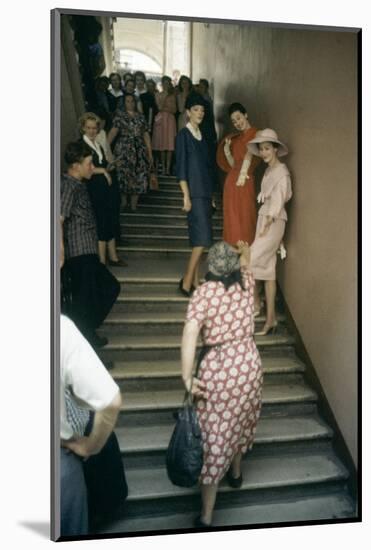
79, 227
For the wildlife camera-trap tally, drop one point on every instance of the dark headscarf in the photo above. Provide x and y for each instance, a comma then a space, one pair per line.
224, 265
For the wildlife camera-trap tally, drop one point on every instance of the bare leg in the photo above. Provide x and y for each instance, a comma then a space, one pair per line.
169, 155
193, 263
196, 279
102, 245
163, 167
124, 200
208, 495
133, 202
236, 465
156, 159
112, 253
257, 303
270, 295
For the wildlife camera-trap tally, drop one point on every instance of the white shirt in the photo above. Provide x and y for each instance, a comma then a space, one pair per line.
82, 371
94, 145
103, 142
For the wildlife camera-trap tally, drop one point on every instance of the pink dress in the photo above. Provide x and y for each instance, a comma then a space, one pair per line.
164, 127
232, 373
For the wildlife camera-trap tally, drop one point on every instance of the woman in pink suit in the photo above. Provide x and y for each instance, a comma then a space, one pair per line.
272, 218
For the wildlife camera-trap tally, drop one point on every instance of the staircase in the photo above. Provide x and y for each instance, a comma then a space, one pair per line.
291, 475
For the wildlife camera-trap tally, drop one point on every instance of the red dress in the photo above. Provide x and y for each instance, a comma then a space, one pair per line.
231, 371
239, 203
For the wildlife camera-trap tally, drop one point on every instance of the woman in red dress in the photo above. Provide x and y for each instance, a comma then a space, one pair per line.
239, 200
229, 381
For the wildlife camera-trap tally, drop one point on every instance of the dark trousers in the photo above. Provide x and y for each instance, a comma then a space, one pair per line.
74, 500
105, 481
93, 292
116, 205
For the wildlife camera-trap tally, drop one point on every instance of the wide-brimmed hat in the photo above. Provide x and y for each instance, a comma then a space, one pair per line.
223, 259
194, 99
267, 135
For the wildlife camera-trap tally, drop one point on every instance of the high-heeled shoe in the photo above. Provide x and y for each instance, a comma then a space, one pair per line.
234, 482
199, 524
185, 292
272, 329
257, 313
117, 263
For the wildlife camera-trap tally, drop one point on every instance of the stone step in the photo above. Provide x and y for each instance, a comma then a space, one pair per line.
172, 399
337, 505
131, 323
152, 408
161, 218
157, 298
168, 199
145, 271
158, 230
274, 362
154, 252
139, 347
157, 375
142, 439
147, 239
150, 488
158, 207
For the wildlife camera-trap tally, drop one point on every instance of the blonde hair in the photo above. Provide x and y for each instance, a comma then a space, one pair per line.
88, 116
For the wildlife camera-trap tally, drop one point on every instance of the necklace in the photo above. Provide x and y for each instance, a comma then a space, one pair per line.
196, 133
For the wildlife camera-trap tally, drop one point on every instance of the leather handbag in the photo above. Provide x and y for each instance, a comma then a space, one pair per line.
184, 457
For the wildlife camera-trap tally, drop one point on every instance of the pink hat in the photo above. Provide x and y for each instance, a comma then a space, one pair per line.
267, 135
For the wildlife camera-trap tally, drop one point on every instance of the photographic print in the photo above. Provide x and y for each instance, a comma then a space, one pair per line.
205, 186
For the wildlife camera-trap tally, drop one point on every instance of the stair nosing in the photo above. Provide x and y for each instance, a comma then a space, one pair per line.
339, 474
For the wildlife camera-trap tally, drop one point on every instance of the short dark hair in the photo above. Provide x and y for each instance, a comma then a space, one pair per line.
182, 79
76, 151
273, 143
204, 82
236, 107
135, 100
114, 74
139, 73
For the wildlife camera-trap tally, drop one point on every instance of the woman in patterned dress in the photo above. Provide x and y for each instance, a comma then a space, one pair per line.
228, 387
133, 150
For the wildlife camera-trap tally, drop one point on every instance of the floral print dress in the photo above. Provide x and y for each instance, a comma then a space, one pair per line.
231, 371
134, 170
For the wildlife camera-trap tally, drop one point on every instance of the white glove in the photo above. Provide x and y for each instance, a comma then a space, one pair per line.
282, 251
243, 173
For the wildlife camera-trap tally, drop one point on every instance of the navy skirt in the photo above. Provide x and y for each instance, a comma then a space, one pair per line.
199, 222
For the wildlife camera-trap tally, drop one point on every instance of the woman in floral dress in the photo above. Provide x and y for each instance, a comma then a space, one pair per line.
228, 386
132, 148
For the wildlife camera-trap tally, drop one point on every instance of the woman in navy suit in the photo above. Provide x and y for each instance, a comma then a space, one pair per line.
194, 173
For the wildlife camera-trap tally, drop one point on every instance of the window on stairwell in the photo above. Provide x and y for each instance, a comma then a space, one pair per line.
153, 46
132, 60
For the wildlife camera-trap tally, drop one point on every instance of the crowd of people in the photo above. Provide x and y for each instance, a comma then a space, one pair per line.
134, 130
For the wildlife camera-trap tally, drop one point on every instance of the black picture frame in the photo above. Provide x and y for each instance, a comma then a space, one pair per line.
55, 275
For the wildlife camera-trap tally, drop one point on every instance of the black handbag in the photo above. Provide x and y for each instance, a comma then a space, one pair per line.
184, 456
